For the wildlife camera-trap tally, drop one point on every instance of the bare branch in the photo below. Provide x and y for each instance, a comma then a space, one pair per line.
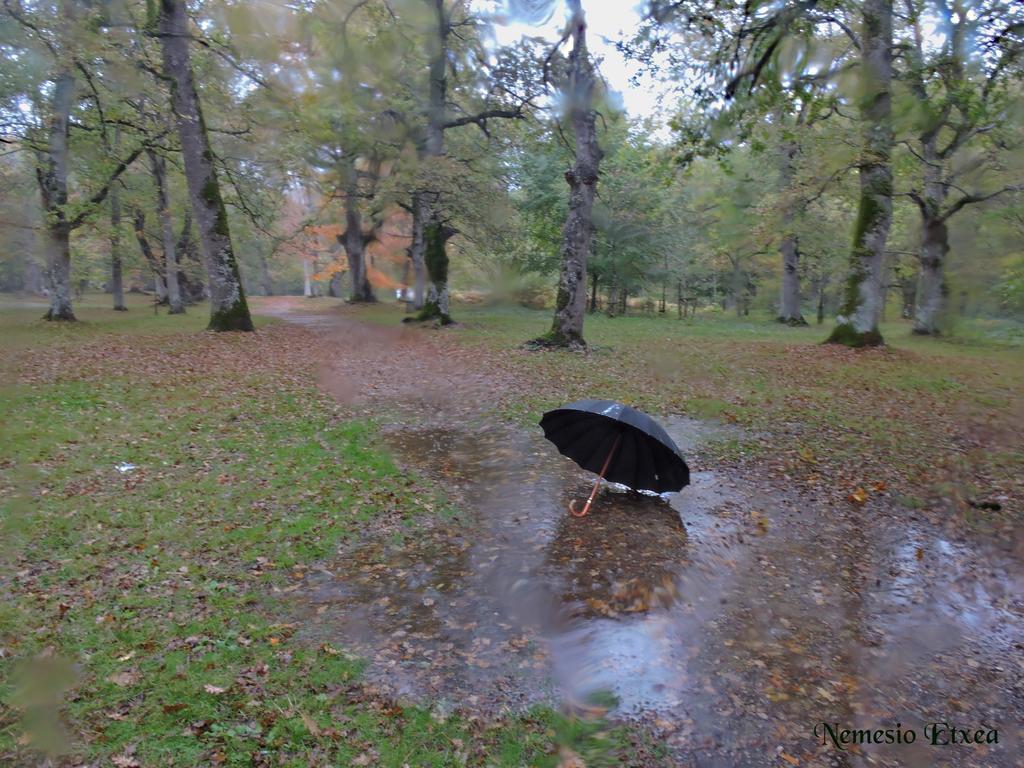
481, 118
971, 199
101, 194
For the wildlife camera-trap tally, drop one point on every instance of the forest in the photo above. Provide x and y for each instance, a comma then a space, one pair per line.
511, 383
839, 160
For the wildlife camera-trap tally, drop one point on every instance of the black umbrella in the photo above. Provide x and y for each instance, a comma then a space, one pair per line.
621, 444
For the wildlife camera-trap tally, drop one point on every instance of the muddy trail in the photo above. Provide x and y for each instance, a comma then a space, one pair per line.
733, 618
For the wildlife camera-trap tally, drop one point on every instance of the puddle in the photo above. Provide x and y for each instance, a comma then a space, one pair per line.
486, 613
719, 602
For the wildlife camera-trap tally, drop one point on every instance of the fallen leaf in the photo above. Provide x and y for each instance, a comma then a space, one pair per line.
789, 758
569, 759
859, 496
310, 723
213, 689
126, 678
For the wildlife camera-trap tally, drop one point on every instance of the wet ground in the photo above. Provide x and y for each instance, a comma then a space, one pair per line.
732, 618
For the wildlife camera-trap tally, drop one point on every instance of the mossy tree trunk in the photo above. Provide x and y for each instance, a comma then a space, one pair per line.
229, 310
436, 303
53, 185
859, 313
429, 251
355, 242
431, 225
571, 303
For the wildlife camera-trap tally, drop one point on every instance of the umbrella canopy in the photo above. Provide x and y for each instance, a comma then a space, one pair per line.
644, 458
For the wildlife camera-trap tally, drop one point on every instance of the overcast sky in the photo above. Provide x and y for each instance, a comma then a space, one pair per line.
607, 21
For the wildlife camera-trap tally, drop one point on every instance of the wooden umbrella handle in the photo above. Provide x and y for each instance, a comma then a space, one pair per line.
600, 477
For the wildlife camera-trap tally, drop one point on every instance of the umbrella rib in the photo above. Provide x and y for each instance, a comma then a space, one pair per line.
580, 441
645, 462
598, 445
637, 463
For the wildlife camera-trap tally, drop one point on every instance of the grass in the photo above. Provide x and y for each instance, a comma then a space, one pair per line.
143, 625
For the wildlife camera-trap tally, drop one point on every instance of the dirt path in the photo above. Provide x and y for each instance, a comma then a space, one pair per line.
732, 617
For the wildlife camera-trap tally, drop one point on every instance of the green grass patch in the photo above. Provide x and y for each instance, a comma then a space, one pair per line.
142, 624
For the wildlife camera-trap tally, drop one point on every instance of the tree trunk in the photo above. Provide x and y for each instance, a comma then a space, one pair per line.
158, 166
570, 306
908, 293
265, 282
932, 291
431, 234
192, 290
116, 269
307, 279
58, 272
789, 249
594, 280
116, 265
159, 286
354, 242
612, 306
228, 308
738, 286
857, 323
436, 304
417, 253
53, 185
789, 307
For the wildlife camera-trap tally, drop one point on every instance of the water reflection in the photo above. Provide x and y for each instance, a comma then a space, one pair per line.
733, 617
